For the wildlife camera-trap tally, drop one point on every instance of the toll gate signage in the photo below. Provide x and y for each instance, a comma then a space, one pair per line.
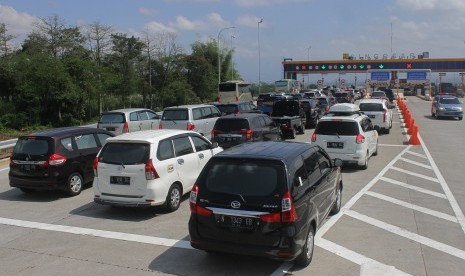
380, 76
416, 76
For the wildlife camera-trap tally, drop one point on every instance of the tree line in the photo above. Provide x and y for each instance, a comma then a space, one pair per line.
64, 75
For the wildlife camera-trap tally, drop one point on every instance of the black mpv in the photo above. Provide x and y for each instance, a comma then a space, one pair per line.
265, 199
58, 158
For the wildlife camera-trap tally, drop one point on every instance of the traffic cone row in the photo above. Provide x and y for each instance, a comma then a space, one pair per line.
412, 128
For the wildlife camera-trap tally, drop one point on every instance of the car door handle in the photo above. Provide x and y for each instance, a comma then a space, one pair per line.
180, 161
201, 156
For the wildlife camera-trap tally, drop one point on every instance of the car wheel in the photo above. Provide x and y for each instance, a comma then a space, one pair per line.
376, 150
365, 163
27, 190
305, 258
460, 118
387, 130
302, 129
74, 184
337, 204
173, 199
293, 133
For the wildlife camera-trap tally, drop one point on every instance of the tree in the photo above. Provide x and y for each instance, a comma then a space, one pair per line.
4, 39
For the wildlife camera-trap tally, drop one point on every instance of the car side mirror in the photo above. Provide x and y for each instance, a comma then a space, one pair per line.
337, 162
214, 145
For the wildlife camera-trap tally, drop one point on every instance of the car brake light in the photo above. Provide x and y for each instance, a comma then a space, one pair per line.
236, 110
248, 133
160, 126
95, 166
327, 108
360, 139
384, 115
287, 214
190, 126
125, 127
196, 209
214, 133
314, 137
150, 172
56, 160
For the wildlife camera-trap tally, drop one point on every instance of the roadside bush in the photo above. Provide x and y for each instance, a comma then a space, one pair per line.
14, 121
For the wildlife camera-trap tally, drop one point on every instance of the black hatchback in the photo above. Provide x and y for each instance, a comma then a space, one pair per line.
265, 199
60, 158
231, 130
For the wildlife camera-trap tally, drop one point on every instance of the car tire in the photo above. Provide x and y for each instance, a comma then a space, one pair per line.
293, 133
365, 164
302, 129
337, 204
376, 150
387, 130
460, 118
27, 190
74, 184
305, 257
173, 198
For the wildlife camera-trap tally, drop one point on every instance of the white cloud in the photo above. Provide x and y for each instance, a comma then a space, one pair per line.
17, 23
432, 5
264, 3
156, 27
250, 21
147, 11
213, 20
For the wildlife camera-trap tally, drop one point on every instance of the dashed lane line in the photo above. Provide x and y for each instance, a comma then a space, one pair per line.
417, 154
411, 187
409, 235
4, 169
392, 145
415, 174
416, 163
413, 206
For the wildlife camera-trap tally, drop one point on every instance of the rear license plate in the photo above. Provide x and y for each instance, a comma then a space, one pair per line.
28, 167
372, 116
120, 180
110, 128
337, 145
236, 222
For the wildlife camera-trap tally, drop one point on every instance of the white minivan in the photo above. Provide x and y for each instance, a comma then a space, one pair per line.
150, 168
379, 111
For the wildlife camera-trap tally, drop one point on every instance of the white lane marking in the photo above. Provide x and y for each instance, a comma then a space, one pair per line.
409, 235
4, 169
283, 269
417, 154
415, 174
392, 145
411, 187
413, 206
330, 222
97, 233
416, 163
453, 202
368, 266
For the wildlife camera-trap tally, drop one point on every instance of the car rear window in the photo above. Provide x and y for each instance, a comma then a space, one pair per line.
322, 101
342, 128
249, 179
32, 146
175, 114
378, 94
371, 107
227, 108
125, 153
112, 118
233, 124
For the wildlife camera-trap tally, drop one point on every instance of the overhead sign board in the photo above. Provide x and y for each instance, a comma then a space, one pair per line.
380, 76
416, 76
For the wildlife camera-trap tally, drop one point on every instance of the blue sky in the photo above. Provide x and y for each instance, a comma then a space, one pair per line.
289, 28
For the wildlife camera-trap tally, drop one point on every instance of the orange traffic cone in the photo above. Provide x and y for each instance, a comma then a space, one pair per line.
414, 138
407, 119
412, 126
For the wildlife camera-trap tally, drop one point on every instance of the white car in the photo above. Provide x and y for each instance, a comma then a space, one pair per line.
347, 134
150, 168
379, 111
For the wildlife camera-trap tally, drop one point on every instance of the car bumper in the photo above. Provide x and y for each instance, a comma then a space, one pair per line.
357, 158
123, 204
445, 113
49, 183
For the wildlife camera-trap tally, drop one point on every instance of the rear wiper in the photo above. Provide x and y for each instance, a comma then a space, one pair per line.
122, 165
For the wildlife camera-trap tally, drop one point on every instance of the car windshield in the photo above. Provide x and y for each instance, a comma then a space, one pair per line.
111, 118
175, 114
371, 107
31, 146
248, 179
450, 100
125, 153
342, 128
232, 124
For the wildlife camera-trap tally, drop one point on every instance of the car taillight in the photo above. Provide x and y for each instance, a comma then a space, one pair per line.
236, 110
95, 166
248, 133
327, 108
196, 209
150, 172
285, 125
384, 115
160, 126
314, 137
287, 214
56, 160
214, 133
190, 126
360, 139
125, 127
311, 110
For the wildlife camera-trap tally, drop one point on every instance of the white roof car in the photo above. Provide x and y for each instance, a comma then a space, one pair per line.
351, 138
379, 111
150, 168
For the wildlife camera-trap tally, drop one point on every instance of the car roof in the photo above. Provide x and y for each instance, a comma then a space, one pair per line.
352, 117
380, 101
150, 136
241, 116
282, 151
344, 107
188, 106
233, 103
125, 110
65, 131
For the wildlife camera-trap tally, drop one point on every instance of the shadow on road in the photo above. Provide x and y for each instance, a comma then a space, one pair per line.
15, 194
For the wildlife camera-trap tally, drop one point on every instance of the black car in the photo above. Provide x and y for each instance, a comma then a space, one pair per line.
265, 199
231, 130
343, 97
60, 158
237, 107
312, 112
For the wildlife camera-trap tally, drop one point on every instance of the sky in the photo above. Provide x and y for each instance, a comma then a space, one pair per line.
297, 29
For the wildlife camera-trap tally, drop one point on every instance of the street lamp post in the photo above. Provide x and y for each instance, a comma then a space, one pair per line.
219, 62
258, 24
308, 59
232, 62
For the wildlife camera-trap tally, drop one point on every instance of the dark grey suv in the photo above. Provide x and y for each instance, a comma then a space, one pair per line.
265, 199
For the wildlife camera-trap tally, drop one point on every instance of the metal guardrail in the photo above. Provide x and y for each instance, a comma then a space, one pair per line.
7, 144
